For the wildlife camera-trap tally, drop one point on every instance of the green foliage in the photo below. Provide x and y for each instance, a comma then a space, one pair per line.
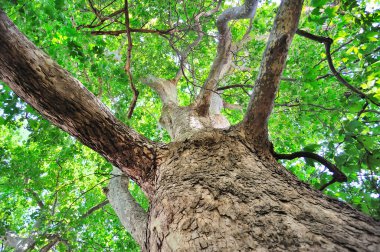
311, 113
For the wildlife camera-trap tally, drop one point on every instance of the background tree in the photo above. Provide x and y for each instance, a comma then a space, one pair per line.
134, 54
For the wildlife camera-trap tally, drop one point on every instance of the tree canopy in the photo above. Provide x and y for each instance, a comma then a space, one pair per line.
52, 186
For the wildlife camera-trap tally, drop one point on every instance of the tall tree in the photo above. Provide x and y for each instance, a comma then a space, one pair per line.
213, 186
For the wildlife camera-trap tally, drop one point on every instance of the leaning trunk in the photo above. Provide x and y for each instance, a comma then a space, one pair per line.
215, 193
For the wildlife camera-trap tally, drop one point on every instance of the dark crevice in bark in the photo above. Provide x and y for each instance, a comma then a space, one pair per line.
214, 183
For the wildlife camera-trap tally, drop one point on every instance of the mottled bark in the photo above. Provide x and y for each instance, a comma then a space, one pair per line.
18, 243
216, 193
210, 190
65, 102
272, 64
182, 122
223, 59
130, 213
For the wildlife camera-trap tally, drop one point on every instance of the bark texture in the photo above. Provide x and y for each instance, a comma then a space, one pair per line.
65, 102
211, 189
215, 193
130, 213
272, 64
182, 122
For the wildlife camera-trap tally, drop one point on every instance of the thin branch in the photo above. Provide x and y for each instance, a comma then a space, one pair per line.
37, 198
334, 51
94, 208
200, 34
337, 174
327, 42
100, 17
128, 63
56, 186
137, 30
233, 86
345, 67
362, 110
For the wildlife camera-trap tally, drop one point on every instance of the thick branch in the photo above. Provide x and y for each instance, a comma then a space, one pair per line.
53, 241
261, 104
223, 59
19, 244
337, 174
65, 102
130, 213
166, 89
327, 42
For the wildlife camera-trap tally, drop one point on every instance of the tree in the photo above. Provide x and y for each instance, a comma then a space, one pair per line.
214, 187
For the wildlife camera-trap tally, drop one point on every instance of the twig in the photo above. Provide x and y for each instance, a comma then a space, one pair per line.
128, 63
139, 30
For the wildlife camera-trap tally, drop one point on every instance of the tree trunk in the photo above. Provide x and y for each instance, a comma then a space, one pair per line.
215, 193
210, 190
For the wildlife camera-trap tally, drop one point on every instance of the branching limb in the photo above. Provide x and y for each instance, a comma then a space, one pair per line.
223, 59
200, 34
327, 42
19, 243
66, 103
338, 176
100, 17
130, 213
255, 122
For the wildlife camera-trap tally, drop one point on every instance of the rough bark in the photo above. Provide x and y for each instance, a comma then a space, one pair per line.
212, 189
216, 193
65, 102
